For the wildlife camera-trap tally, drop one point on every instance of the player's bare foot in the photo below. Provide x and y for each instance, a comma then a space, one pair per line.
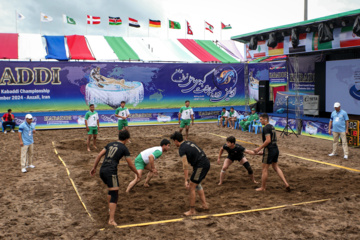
205, 207
146, 185
219, 183
190, 213
88, 150
260, 189
256, 182
95, 147
113, 223
288, 189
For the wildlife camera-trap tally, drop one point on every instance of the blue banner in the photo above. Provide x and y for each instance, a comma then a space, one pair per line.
71, 86
278, 74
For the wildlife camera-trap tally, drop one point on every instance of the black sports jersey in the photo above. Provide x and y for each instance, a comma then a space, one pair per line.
237, 153
114, 152
195, 156
269, 129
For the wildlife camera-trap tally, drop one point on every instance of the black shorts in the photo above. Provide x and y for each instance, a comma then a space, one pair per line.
199, 173
237, 159
110, 179
270, 155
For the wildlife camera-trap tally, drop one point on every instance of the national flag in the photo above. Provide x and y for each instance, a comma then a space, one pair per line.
278, 50
133, 23
19, 16
348, 38
93, 20
68, 20
174, 25
154, 23
316, 45
115, 21
189, 30
209, 27
223, 26
45, 18
261, 50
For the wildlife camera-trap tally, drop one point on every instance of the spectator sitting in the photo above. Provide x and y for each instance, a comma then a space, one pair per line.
8, 119
224, 117
232, 117
251, 118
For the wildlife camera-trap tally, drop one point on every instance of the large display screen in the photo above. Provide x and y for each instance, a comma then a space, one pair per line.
343, 85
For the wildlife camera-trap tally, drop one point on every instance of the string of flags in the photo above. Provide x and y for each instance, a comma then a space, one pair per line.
95, 20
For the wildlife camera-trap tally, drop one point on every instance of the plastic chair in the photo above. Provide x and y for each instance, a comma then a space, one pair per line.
237, 123
255, 125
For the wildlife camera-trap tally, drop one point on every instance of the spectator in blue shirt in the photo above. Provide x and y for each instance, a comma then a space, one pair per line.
26, 131
339, 122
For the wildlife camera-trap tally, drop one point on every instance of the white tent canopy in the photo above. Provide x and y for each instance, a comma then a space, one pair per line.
100, 48
31, 47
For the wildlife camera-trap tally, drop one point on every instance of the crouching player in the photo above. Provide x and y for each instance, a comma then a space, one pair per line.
191, 153
235, 153
146, 160
108, 172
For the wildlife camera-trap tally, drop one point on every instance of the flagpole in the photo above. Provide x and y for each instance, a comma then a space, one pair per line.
149, 29
167, 33
204, 29
185, 27
16, 20
107, 28
220, 32
63, 24
40, 23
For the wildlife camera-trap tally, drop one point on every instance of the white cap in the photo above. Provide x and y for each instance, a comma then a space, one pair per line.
28, 116
336, 105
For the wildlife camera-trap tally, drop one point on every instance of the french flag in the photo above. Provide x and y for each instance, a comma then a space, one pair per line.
93, 20
133, 23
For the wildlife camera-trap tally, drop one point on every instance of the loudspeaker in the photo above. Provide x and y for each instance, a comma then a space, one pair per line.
265, 106
264, 91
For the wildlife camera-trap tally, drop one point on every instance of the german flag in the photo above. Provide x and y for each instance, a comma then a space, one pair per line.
154, 23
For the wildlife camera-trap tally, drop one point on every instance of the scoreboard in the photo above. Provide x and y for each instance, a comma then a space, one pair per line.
353, 133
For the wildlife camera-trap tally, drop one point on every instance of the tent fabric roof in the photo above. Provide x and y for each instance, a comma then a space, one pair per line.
244, 38
167, 50
214, 50
122, 50
230, 47
198, 51
31, 46
186, 51
141, 49
55, 46
8, 46
78, 47
101, 48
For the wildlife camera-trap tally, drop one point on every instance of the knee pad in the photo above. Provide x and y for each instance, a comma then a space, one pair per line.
199, 187
248, 168
114, 196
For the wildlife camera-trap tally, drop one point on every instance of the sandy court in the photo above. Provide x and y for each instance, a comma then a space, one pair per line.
43, 204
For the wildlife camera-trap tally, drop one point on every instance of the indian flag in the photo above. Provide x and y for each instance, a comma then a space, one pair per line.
348, 38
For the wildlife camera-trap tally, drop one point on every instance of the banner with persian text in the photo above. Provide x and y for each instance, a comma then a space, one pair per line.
71, 86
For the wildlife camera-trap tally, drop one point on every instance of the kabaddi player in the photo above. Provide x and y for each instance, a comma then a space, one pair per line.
146, 160
270, 153
191, 153
122, 113
235, 153
186, 113
108, 172
92, 125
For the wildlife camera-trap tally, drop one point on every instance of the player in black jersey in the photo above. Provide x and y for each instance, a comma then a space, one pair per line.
235, 153
192, 154
270, 153
108, 172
